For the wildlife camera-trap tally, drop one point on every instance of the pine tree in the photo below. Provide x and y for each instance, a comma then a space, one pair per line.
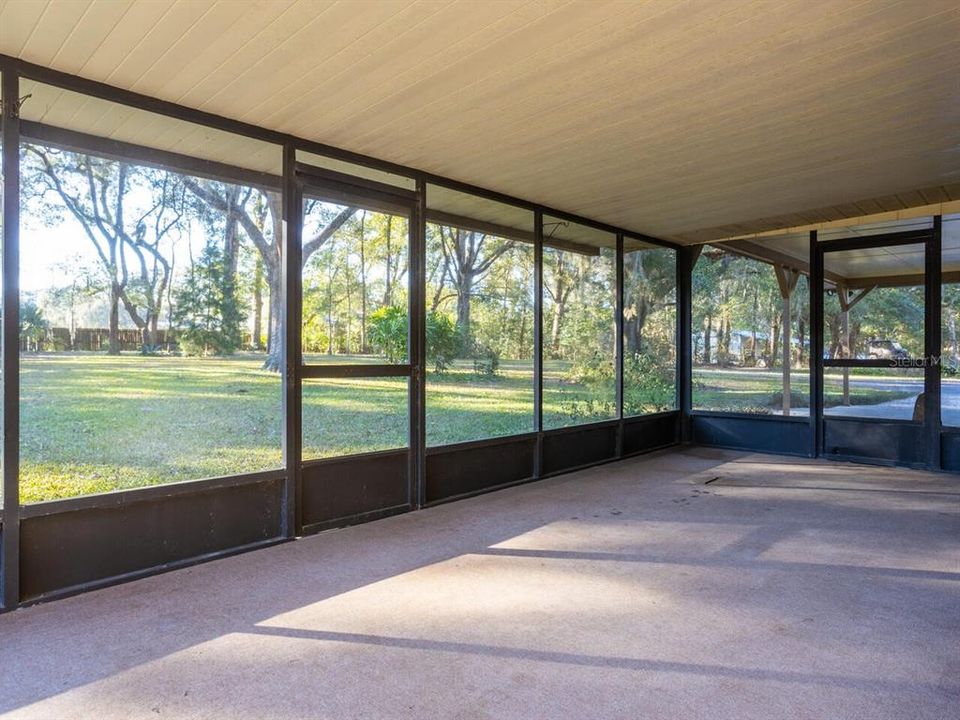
207, 312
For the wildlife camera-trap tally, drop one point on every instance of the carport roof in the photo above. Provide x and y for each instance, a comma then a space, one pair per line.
897, 265
688, 120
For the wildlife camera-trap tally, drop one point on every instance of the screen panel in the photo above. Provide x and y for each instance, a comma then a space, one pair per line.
150, 298
479, 318
579, 328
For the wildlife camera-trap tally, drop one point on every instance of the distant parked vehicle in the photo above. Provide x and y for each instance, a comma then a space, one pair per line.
886, 350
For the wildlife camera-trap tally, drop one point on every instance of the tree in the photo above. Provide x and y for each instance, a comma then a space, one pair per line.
269, 242
467, 256
649, 282
67, 301
33, 325
388, 332
559, 281
129, 213
207, 312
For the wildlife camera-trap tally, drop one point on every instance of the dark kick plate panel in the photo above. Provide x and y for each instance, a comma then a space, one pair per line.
762, 434
73, 548
950, 451
874, 440
352, 486
648, 433
572, 448
467, 469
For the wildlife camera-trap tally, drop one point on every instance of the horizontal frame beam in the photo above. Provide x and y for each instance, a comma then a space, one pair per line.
74, 141
315, 372
130, 496
439, 217
867, 242
340, 184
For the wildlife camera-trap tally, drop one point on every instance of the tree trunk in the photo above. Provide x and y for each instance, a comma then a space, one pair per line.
726, 337
363, 285
349, 312
331, 327
555, 328
464, 290
522, 333
274, 267
707, 339
257, 332
113, 347
275, 323
388, 291
636, 325
719, 355
559, 294
231, 257
269, 322
154, 332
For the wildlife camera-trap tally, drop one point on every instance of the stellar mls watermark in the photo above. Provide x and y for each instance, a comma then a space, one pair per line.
920, 362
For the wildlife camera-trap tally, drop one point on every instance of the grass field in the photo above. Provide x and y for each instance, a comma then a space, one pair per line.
92, 423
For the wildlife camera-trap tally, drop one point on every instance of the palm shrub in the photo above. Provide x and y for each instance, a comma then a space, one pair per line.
388, 336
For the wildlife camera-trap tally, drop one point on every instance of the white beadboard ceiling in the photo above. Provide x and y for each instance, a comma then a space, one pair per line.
685, 119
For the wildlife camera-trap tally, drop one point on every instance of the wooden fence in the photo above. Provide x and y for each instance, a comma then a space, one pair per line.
60, 339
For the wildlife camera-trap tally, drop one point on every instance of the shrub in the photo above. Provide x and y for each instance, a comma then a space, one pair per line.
151, 349
648, 386
648, 383
443, 340
388, 333
33, 325
486, 360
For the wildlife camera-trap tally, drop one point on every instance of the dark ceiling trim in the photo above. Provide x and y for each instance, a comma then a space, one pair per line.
80, 142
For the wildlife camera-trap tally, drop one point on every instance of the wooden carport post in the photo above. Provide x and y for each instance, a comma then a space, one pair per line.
847, 301
787, 280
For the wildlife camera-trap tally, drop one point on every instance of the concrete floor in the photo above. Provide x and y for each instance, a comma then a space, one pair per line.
781, 589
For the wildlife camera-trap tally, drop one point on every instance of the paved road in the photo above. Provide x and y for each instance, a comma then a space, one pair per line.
895, 409
903, 408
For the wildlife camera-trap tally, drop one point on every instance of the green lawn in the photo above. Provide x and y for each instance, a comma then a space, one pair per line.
92, 423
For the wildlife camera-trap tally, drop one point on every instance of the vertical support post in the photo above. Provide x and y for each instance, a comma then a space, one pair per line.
933, 291
618, 343
843, 295
686, 259
417, 343
538, 339
816, 344
787, 355
10, 559
291, 366
787, 280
